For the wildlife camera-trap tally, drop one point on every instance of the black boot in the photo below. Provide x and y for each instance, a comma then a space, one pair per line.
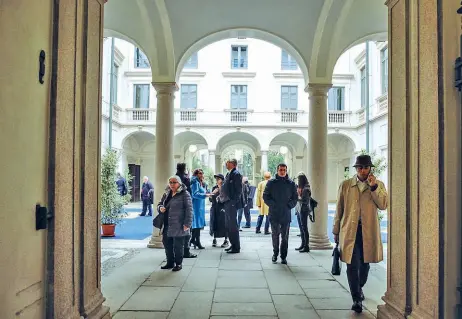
192, 242
305, 249
198, 239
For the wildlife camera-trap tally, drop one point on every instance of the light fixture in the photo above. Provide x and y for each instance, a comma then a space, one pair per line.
283, 150
192, 148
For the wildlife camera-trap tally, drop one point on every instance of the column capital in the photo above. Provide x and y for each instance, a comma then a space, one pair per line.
264, 152
318, 89
165, 87
212, 151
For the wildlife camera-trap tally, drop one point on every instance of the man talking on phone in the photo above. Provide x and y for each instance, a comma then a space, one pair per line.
356, 225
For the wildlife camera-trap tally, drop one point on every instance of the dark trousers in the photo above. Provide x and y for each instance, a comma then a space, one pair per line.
303, 225
231, 223
260, 222
282, 230
358, 270
174, 249
246, 212
187, 239
146, 206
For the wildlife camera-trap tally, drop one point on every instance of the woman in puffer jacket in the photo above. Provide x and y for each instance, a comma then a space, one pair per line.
176, 205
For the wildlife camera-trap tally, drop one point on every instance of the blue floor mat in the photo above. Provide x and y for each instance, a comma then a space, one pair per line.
140, 227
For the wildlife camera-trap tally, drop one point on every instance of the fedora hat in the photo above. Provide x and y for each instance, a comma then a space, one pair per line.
221, 176
363, 160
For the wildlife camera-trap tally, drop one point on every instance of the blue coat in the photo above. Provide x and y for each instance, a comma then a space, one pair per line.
198, 200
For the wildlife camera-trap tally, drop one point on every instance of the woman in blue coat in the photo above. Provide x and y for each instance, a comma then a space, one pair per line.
198, 194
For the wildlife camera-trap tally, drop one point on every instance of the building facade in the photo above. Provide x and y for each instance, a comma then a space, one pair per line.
245, 96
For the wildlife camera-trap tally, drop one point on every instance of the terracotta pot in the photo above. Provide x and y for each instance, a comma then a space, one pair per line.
108, 230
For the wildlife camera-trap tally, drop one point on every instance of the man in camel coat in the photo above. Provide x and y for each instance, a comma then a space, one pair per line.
356, 225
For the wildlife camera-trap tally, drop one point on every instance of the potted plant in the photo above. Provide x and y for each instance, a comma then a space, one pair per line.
112, 202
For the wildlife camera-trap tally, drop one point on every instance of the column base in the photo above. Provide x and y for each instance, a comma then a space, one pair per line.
156, 240
100, 313
390, 310
320, 242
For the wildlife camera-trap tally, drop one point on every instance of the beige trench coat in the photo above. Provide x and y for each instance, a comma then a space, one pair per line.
350, 204
264, 209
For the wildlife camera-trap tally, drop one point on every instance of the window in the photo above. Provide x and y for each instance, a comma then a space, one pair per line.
336, 99
239, 57
141, 60
287, 61
192, 62
384, 69
188, 96
141, 96
363, 87
289, 97
115, 83
238, 96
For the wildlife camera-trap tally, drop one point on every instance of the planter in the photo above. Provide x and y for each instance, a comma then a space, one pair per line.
108, 230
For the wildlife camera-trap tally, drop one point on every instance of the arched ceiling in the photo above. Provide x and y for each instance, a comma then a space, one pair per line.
315, 31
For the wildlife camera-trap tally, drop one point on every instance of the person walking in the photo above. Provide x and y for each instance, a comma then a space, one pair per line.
280, 195
356, 225
262, 207
176, 205
147, 193
217, 214
303, 210
232, 190
181, 173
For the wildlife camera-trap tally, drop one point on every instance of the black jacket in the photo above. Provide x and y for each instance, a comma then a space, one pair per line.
185, 180
281, 196
122, 186
233, 187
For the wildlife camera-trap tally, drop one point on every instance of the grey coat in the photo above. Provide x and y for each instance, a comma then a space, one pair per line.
179, 212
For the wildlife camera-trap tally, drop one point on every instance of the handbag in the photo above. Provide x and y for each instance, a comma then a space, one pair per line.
313, 205
336, 265
158, 221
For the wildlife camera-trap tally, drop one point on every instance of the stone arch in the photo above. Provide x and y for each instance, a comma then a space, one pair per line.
138, 140
115, 34
153, 34
294, 140
238, 137
185, 138
381, 36
242, 32
337, 138
342, 31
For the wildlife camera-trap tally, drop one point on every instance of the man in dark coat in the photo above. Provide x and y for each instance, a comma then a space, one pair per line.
181, 173
281, 196
232, 191
121, 185
147, 191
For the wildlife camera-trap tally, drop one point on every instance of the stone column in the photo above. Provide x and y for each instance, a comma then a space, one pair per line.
218, 167
212, 160
122, 162
164, 163
317, 162
264, 161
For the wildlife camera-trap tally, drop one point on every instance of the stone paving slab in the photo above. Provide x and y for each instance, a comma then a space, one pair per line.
246, 285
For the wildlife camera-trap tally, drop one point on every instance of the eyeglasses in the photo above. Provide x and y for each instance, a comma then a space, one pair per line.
172, 182
362, 167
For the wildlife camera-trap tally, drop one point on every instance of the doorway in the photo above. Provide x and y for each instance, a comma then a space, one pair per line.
135, 171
